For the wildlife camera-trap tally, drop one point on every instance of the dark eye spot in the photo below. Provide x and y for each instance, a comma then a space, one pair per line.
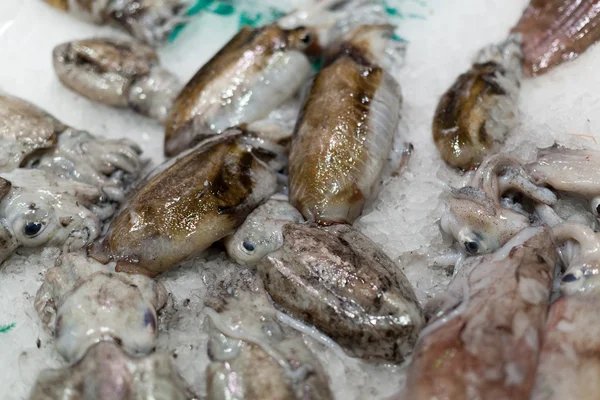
471, 247
248, 246
307, 38
598, 209
32, 228
149, 319
569, 278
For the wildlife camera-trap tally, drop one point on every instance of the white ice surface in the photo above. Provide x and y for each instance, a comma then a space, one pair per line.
403, 220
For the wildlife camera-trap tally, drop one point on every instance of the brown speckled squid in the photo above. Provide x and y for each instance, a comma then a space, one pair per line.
345, 130
187, 204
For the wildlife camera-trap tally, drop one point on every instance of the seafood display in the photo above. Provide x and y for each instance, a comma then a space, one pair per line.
118, 73
188, 204
256, 71
556, 31
474, 214
484, 337
339, 281
37, 209
256, 362
32, 138
345, 130
474, 116
311, 269
151, 21
106, 372
82, 303
262, 231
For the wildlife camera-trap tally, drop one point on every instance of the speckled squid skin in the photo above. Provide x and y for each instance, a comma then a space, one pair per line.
459, 122
106, 372
24, 128
256, 71
188, 204
340, 281
556, 31
81, 303
476, 113
117, 72
151, 21
485, 343
343, 135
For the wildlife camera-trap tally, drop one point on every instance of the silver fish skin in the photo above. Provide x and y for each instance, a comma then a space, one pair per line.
256, 71
118, 73
484, 338
338, 280
345, 131
106, 372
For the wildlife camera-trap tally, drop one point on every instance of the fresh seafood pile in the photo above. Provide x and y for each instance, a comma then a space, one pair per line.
301, 279
476, 114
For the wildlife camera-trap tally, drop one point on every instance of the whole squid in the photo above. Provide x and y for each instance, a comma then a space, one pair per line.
187, 204
345, 130
474, 116
484, 338
118, 73
256, 71
338, 280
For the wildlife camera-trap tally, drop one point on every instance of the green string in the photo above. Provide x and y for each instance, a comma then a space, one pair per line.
6, 328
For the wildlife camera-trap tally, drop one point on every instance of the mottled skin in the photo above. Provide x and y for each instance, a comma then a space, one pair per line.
571, 171
243, 369
474, 215
186, 205
340, 281
485, 344
151, 21
569, 362
474, 116
37, 209
32, 138
116, 72
83, 303
556, 31
106, 372
344, 133
256, 71
24, 128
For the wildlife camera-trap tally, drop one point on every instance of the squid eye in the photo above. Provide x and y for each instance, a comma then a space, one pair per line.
248, 246
149, 319
595, 206
569, 278
31, 229
306, 38
471, 247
